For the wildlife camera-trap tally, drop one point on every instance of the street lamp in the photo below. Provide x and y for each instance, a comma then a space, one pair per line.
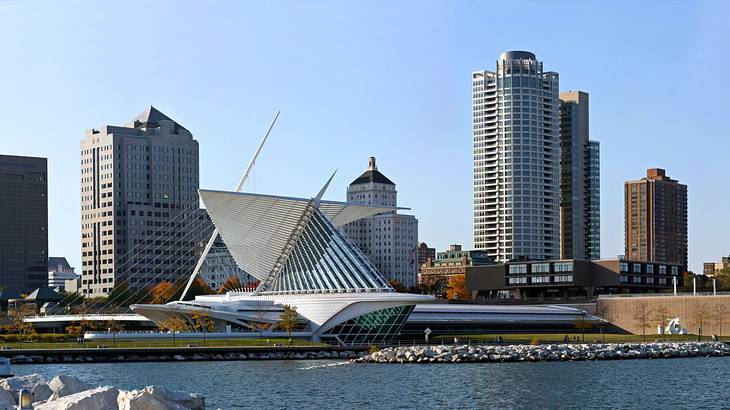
25, 400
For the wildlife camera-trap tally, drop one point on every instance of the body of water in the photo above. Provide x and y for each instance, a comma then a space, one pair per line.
659, 384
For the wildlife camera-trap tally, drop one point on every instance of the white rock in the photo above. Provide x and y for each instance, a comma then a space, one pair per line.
7, 400
92, 399
187, 400
143, 400
36, 384
66, 385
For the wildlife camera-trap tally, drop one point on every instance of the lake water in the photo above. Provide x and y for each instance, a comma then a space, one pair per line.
646, 384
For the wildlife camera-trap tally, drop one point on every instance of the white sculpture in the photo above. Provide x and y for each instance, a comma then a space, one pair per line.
673, 328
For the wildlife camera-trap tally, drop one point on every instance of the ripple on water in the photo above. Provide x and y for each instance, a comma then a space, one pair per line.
334, 384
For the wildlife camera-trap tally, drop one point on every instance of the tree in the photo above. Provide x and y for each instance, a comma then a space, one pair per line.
661, 315
232, 284
395, 284
583, 325
641, 317
174, 325
162, 292
21, 327
120, 295
603, 310
289, 320
261, 324
202, 322
457, 288
719, 313
700, 315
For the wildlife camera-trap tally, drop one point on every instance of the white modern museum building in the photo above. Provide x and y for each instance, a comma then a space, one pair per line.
296, 249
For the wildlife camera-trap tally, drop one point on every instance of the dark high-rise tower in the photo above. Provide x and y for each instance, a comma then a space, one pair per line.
579, 180
656, 219
23, 223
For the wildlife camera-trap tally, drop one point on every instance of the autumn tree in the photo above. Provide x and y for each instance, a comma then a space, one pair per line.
174, 325
457, 288
202, 322
262, 321
700, 315
162, 292
21, 327
289, 320
642, 316
661, 316
232, 284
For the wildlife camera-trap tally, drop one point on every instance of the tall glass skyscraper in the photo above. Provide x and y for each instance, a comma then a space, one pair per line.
516, 159
579, 180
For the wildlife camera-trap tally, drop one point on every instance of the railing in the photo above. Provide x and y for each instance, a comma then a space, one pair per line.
658, 295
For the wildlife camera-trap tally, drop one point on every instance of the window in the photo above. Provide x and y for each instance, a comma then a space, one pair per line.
636, 268
623, 267
650, 269
541, 268
516, 281
563, 267
662, 269
623, 279
637, 279
540, 279
563, 278
517, 269
675, 270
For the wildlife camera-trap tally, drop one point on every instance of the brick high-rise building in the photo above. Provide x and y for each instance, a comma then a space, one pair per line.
516, 162
656, 219
579, 181
23, 223
140, 220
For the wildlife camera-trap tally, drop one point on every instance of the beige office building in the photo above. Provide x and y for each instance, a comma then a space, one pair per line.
140, 220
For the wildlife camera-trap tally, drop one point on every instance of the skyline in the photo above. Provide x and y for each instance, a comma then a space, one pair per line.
238, 100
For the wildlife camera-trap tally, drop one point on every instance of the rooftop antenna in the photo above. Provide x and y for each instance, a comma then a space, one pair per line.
243, 179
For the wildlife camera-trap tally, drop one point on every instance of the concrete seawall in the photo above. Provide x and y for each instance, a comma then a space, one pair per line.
167, 354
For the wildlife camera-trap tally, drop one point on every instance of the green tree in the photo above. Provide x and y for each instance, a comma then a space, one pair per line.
395, 284
289, 320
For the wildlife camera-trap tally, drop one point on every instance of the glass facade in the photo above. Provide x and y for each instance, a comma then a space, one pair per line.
593, 202
324, 259
379, 327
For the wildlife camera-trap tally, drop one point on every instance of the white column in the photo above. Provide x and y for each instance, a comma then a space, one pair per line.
674, 282
694, 286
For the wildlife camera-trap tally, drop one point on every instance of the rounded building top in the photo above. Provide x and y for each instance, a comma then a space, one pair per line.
517, 55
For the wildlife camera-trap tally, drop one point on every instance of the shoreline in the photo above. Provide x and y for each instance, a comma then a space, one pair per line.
180, 354
543, 353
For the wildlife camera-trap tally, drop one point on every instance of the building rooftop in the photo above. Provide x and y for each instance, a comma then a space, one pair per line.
372, 175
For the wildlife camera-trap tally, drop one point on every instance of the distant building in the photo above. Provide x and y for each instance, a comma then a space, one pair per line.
712, 268
424, 253
23, 223
389, 239
579, 181
59, 271
220, 266
516, 159
656, 219
140, 221
572, 280
452, 263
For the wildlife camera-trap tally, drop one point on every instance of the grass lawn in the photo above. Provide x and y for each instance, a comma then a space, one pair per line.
558, 338
198, 342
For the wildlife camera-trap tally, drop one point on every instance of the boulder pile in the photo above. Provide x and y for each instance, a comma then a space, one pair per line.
551, 352
70, 393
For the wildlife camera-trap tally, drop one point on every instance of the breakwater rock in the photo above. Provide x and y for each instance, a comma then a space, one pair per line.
106, 355
70, 393
554, 352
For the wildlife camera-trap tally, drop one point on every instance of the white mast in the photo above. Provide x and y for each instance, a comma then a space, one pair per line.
243, 179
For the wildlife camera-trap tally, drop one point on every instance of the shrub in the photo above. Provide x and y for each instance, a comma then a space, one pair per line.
535, 341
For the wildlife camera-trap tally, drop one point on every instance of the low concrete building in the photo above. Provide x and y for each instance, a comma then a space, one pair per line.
712, 268
571, 280
59, 271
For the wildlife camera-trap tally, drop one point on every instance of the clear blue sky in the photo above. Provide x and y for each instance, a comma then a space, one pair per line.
383, 78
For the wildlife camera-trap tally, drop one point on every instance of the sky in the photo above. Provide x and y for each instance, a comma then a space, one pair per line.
389, 79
